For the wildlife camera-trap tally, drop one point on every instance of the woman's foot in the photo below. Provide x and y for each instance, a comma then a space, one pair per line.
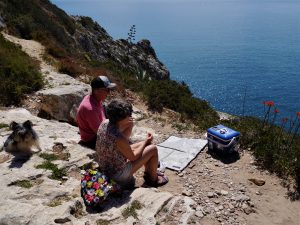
160, 181
161, 166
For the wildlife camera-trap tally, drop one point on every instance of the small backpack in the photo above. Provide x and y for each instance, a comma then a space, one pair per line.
95, 187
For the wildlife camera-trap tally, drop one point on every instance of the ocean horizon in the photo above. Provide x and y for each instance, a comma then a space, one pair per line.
235, 54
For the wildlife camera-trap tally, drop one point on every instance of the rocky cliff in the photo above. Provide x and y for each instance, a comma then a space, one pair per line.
43, 21
93, 39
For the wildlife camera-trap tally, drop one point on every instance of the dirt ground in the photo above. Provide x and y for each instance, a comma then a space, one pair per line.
209, 172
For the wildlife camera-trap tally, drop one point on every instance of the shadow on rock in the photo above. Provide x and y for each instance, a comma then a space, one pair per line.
115, 200
226, 158
19, 160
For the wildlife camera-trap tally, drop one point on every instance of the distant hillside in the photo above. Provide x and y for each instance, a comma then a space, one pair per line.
66, 36
80, 46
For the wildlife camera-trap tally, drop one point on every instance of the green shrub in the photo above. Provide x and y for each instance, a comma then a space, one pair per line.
25, 26
3, 125
57, 173
169, 94
70, 67
19, 74
87, 22
102, 222
55, 51
125, 77
30, 18
271, 147
131, 210
48, 157
22, 183
178, 97
45, 22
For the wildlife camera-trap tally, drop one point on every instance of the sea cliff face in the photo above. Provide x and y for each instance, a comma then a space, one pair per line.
90, 37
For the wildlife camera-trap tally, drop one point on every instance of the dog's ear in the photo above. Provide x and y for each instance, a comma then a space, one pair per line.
13, 125
27, 124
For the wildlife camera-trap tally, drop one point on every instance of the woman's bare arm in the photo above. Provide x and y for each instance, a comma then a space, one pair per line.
126, 150
124, 147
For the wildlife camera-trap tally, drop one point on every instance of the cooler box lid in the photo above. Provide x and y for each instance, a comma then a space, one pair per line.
223, 132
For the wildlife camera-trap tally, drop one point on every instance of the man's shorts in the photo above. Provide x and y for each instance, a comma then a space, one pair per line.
90, 144
124, 178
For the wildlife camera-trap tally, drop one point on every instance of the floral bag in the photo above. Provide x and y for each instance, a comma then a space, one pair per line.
95, 187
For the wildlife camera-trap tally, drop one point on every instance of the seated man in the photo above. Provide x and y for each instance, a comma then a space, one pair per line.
119, 159
91, 112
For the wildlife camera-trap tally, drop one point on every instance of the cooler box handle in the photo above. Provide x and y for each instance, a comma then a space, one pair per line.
232, 140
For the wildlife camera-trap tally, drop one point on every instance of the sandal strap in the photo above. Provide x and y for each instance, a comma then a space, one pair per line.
162, 179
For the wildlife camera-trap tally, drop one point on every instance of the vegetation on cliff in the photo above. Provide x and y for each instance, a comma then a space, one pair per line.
275, 149
169, 94
19, 74
39, 20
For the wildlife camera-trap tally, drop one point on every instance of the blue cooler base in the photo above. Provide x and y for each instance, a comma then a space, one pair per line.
215, 147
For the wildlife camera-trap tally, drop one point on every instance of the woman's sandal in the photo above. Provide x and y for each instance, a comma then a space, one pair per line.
161, 180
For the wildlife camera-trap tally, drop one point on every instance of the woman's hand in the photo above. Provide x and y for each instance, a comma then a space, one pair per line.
126, 123
149, 139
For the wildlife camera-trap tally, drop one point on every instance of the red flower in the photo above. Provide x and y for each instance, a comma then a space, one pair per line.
298, 114
87, 178
276, 111
89, 198
268, 103
96, 185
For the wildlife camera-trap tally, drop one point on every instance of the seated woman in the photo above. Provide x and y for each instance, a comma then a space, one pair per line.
119, 159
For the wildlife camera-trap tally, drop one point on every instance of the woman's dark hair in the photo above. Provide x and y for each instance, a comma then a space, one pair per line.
117, 110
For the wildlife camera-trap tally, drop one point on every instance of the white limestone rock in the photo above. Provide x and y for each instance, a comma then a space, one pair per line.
61, 102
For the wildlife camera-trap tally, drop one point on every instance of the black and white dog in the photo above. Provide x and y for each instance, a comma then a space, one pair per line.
22, 138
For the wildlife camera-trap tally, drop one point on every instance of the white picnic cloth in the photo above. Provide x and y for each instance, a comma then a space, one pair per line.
176, 153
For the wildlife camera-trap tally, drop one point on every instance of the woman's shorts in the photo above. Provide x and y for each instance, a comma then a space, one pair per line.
124, 178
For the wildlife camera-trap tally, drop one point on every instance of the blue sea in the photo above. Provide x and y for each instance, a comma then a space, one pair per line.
233, 53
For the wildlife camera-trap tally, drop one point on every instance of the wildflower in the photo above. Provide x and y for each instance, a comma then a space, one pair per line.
268, 103
283, 122
298, 114
276, 111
